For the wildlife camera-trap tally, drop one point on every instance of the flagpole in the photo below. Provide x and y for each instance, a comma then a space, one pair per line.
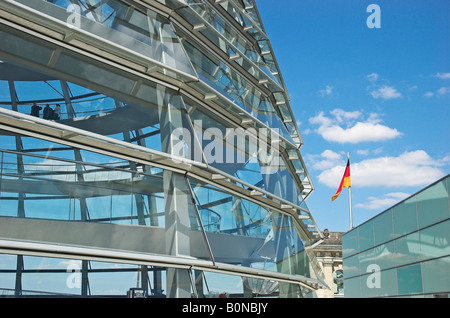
350, 205
350, 199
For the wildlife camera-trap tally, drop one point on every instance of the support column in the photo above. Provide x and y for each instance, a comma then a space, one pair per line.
327, 268
84, 211
157, 281
284, 255
176, 195
139, 198
21, 195
281, 236
199, 281
177, 233
328, 272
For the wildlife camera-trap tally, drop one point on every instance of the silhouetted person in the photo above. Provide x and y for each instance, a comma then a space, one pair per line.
48, 112
57, 112
35, 109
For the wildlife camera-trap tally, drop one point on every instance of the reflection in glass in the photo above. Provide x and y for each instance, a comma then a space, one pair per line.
405, 217
436, 275
382, 227
147, 33
271, 240
366, 239
414, 261
62, 183
435, 241
50, 277
409, 279
432, 204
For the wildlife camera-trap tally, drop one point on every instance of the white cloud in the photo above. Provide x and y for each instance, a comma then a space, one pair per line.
389, 199
343, 128
440, 92
372, 77
343, 116
306, 131
328, 90
443, 75
366, 152
330, 155
360, 132
443, 91
415, 168
326, 160
386, 92
321, 120
362, 152
378, 150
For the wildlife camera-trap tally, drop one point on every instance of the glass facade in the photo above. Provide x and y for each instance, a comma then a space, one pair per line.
148, 149
404, 251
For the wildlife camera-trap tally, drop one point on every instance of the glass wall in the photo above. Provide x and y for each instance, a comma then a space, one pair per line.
55, 182
46, 277
50, 277
196, 133
404, 251
121, 134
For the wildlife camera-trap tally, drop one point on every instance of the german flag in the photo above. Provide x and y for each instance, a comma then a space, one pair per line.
345, 182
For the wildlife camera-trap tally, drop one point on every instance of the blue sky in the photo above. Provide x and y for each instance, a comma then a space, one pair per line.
380, 94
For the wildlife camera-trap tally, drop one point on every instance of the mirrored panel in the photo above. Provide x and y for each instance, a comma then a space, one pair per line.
245, 233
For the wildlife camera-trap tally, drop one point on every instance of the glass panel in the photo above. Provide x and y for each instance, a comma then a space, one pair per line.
435, 240
236, 88
5, 98
436, 275
388, 283
366, 239
383, 227
7, 274
218, 285
351, 266
352, 287
369, 283
385, 255
148, 34
57, 277
57, 182
407, 249
242, 232
244, 154
252, 12
366, 261
82, 108
409, 280
22, 47
90, 72
350, 243
432, 204
405, 217
229, 36
215, 285
52, 181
